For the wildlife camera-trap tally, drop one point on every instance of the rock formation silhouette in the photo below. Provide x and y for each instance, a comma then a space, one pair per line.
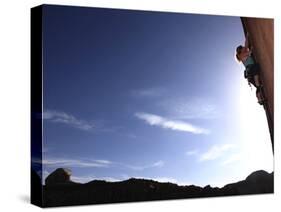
59, 176
65, 192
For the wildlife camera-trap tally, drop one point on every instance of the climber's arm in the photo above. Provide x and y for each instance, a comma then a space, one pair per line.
247, 42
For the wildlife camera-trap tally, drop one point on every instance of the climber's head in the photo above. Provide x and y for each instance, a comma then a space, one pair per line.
239, 50
242, 52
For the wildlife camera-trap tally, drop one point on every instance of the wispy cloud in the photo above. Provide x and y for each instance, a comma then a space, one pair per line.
79, 163
155, 120
192, 152
88, 178
68, 119
140, 168
82, 179
107, 162
233, 158
63, 162
195, 108
215, 152
148, 92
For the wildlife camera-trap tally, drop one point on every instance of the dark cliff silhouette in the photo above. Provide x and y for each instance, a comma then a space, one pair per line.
59, 176
67, 192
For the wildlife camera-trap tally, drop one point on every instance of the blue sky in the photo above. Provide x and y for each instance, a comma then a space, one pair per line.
148, 95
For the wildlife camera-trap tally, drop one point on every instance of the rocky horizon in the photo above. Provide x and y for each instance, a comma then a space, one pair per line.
60, 190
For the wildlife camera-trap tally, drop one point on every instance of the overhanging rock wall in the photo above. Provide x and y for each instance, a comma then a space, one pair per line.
261, 35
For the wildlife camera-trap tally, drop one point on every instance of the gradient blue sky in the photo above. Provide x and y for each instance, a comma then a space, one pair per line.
148, 95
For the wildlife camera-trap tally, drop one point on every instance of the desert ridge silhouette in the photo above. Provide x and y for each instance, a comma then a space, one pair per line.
59, 190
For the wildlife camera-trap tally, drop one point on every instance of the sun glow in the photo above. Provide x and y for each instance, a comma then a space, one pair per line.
255, 138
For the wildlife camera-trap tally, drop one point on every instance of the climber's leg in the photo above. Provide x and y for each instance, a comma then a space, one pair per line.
252, 72
259, 95
257, 80
251, 81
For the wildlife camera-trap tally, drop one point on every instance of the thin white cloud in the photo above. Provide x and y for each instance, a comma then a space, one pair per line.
82, 179
215, 152
159, 163
156, 164
86, 179
155, 120
131, 135
196, 108
192, 152
103, 161
233, 158
78, 163
148, 92
68, 119
63, 162
109, 179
